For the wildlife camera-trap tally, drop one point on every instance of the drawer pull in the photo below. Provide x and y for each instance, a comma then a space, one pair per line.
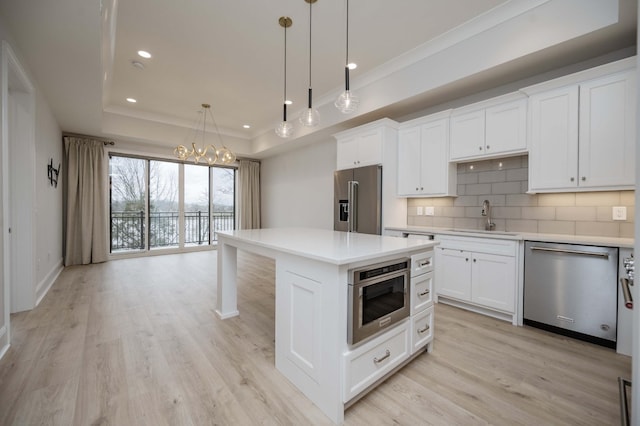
424, 293
423, 263
424, 330
387, 354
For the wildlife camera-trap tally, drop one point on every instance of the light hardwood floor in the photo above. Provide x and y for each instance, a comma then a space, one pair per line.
137, 342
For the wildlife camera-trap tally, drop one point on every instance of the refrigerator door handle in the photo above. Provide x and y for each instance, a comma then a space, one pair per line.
352, 225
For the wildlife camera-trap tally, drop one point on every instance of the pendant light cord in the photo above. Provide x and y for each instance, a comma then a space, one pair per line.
347, 59
284, 101
310, 44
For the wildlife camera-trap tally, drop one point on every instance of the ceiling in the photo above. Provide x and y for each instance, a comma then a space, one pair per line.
230, 54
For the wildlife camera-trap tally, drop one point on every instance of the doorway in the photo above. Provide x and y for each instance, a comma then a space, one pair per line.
17, 266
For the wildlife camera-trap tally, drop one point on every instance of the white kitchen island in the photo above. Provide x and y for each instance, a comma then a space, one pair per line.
311, 308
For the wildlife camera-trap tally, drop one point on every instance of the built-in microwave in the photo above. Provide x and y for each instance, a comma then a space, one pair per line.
378, 298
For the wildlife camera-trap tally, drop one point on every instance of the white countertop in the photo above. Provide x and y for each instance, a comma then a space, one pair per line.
515, 235
334, 247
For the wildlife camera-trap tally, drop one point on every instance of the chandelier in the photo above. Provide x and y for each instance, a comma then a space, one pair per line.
208, 153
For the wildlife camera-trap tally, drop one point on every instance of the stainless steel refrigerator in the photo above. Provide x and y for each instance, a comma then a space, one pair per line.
358, 200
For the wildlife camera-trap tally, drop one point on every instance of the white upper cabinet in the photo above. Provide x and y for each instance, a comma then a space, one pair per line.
492, 128
423, 150
583, 134
363, 148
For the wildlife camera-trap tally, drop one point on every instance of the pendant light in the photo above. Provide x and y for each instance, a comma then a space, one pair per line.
310, 117
347, 102
285, 129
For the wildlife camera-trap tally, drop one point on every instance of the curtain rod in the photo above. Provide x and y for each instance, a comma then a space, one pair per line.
79, 135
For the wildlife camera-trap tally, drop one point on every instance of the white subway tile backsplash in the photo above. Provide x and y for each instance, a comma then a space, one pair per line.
539, 213
492, 176
576, 213
556, 227
504, 182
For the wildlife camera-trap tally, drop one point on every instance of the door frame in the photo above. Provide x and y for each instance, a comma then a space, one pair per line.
15, 82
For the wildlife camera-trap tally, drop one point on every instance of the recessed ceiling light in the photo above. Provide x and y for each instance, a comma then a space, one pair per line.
352, 66
138, 64
131, 100
246, 126
144, 54
288, 102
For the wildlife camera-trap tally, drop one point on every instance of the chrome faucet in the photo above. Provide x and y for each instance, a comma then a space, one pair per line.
486, 211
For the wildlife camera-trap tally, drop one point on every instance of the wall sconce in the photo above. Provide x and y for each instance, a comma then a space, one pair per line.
52, 173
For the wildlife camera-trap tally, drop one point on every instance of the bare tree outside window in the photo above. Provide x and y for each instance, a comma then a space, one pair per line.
203, 211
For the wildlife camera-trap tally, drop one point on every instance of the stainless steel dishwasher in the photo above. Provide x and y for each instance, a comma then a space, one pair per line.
572, 290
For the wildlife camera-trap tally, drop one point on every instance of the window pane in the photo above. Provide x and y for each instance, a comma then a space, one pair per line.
223, 200
196, 205
127, 192
163, 204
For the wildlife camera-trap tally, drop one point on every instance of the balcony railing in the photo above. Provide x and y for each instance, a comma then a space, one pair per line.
128, 228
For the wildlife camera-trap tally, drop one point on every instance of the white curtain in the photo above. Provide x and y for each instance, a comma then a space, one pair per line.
249, 194
86, 239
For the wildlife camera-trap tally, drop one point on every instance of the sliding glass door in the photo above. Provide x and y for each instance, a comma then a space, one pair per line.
157, 204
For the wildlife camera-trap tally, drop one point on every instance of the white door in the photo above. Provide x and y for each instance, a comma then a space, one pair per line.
506, 127
553, 153
467, 135
453, 273
607, 131
409, 161
435, 163
494, 280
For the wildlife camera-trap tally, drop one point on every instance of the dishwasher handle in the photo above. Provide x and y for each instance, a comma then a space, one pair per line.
604, 255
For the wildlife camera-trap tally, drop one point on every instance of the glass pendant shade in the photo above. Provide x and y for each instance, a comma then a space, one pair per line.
285, 129
310, 117
347, 102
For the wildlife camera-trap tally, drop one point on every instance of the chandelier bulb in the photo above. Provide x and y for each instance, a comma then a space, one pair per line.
347, 102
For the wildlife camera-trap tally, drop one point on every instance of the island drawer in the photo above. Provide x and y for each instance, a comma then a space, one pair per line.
421, 329
421, 292
370, 362
421, 263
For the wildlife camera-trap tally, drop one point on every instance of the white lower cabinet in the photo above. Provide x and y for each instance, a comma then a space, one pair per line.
421, 329
478, 273
371, 361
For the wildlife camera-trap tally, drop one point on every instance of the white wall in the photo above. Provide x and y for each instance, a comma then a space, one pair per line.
297, 187
48, 202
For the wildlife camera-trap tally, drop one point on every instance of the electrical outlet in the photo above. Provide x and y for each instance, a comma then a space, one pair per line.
419, 210
619, 213
429, 211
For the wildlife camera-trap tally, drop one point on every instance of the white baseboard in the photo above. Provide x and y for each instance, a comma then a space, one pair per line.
43, 286
4, 341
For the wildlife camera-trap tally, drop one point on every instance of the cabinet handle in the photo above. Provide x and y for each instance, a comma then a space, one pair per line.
424, 329
488, 147
387, 354
572, 179
474, 260
424, 293
466, 259
584, 178
480, 148
416, 188
421, 188
423, 263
